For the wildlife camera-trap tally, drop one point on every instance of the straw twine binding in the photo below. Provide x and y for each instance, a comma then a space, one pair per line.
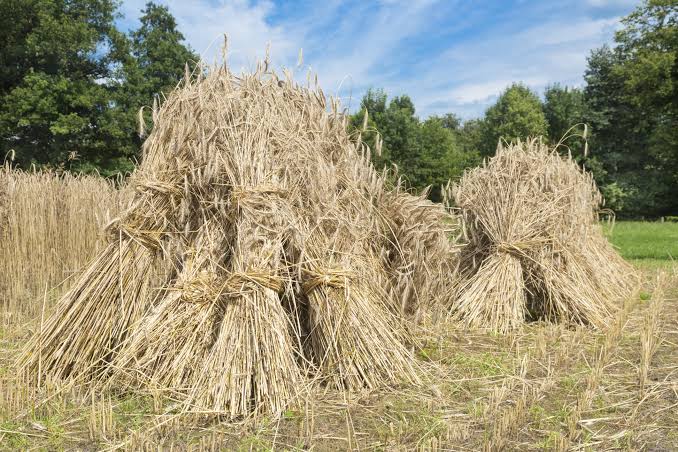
149, 238
518, 249
242, 193
330, 277
205, 287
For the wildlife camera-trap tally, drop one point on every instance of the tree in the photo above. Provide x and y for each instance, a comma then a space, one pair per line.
71, 84
397, 125
373, 104
399, 128
160, 53
441, 158
648, 49
632, 106
470, 140
564, 107
451, 122
425, 153
53, 98
154, 64
517, 114
16, 23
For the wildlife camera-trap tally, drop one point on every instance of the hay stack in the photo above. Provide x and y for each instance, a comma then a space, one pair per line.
535, 249
422, 251
257, 254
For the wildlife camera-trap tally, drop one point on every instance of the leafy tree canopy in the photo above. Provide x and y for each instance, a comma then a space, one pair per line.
53, 81
426, 153
71, 83
631, 96
517, 114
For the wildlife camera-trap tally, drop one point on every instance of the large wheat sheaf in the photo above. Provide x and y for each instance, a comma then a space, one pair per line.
261, 252
535, 247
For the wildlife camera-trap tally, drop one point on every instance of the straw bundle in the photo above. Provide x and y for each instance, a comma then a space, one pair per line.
535, 250
4, 197
355, 336
258, 254
421, 251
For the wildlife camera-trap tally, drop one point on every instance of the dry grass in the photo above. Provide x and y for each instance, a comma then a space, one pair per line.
236, 284
650, 334
50, 227
526, 390
535, 250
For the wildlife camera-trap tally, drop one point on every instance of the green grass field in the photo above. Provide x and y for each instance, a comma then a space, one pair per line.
645, 240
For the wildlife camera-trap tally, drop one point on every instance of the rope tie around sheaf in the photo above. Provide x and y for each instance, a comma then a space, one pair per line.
157, 186
146, 237
206, 286
136, 223
518, 248
328, 278
238, 280
252, 194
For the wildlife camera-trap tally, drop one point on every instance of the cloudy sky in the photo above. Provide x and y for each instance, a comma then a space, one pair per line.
449, 56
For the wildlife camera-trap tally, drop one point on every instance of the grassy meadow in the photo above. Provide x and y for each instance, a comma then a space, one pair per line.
546, 387
640, 240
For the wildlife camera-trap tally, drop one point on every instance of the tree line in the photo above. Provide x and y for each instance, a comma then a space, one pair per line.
626, 112
72, 84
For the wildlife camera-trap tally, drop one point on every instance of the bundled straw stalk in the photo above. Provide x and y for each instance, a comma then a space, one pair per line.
535, 249
355, 336
421, 252
259, 250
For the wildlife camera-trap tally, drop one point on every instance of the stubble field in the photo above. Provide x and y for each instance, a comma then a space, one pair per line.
546, 387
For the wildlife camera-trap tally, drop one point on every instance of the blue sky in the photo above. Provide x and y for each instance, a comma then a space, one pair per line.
449, 56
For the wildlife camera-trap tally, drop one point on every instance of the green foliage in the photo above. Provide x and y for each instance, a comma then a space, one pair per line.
614, 195
399, 128
517, 114
71, 83
632, 100
53, 101
425, 153
13, 437
441, 158
155, 63
159, 55
645, 240
563, 108
374, 105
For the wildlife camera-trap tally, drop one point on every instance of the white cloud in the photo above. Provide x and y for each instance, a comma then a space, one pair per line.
368, 43
204, 23
469, 93
616, 3
547, 52
341, 49
568, 32
463, 58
